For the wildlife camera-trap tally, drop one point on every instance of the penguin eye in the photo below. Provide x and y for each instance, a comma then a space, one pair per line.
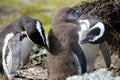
73, 12
72, 15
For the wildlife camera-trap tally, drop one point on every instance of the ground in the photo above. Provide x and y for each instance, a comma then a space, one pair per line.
40, 72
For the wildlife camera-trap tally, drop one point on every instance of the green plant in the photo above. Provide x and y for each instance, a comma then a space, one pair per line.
38, 55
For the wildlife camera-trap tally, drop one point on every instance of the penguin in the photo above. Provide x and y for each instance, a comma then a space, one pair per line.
92, 40
17, 40
110, 15
65, 57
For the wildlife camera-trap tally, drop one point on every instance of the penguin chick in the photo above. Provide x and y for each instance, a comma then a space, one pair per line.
66, 57
24, 32
92, 35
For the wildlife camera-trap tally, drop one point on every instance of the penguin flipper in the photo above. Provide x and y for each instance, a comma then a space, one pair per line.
81, 56
106, 53
14, 56
77, 63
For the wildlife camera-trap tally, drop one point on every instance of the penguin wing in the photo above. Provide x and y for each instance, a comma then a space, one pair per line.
14, 57
80, 54
77, 63
106, 53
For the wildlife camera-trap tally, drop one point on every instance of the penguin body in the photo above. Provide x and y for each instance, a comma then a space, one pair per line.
66, 57
25, 32
26, 46
11, 55
92, 36
91, 51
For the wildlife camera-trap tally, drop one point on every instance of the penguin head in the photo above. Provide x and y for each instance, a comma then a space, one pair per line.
96, 34
36, 34
73, 14
66, 14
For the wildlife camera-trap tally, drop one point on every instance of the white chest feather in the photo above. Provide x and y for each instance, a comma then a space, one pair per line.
26, 46
6, 61
90, 50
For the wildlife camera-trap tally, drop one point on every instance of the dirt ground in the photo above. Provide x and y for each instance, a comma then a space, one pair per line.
115, 64
38, 72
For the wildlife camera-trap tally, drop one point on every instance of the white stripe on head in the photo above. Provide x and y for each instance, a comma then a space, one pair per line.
39, 27
101, 26
84, 24
5, 66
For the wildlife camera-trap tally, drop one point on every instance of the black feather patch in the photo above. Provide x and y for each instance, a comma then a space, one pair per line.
22, 36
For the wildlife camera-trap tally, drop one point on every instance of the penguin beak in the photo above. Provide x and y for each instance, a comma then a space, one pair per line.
86, 40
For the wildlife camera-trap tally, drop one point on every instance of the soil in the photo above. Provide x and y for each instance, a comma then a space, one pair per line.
115, 64
40, 72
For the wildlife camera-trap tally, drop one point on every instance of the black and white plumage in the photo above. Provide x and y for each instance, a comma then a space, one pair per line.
96, 29
109, 12
11, 54
66, 57
92, 36
17, 40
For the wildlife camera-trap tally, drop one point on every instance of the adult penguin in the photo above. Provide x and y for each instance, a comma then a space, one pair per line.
92, 39
17, 40
66, 57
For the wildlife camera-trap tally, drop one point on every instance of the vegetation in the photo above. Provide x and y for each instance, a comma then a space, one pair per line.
39, 9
